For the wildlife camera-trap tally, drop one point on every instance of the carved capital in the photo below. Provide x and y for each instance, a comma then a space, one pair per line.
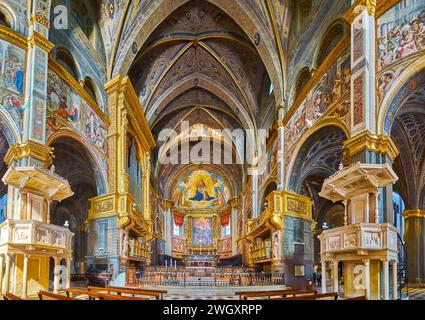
27, 150
414, 213
367, 141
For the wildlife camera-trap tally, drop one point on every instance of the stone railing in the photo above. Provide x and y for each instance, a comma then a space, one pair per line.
363, 236
35, 234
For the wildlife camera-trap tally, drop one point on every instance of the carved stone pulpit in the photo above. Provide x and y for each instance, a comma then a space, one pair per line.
364, 245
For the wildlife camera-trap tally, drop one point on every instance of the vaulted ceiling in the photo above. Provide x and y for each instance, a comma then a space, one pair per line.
199, 67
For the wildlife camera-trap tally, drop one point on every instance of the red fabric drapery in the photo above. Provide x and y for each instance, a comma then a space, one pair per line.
225, 220
178, 219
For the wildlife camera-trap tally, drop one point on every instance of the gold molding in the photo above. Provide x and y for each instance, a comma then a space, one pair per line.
384, 5
371, 7
29, 149
375, 8
324, 67
37, 40
41, 19
75, 85
367, 141
13, 37
135, 113
414, 213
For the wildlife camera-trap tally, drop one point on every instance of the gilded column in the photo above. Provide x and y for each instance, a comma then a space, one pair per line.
335, 276
414, 236
280, 152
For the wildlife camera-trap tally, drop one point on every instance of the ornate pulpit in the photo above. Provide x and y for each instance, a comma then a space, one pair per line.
364, 244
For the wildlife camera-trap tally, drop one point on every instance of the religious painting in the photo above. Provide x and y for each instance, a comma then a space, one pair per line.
40, 70
358, 38
299, 270
67, 108
201, 189
38, 116
202, 231
332, 87
358, 100
12, 68
401, 32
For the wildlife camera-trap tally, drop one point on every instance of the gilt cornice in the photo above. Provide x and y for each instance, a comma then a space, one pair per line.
367, 141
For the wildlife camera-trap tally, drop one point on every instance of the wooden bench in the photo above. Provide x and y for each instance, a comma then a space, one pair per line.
11, 297
318, 296
158, 294
53, 296
272, 293
356, 298
93, 295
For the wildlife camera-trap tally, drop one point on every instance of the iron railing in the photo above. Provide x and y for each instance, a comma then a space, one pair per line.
184, 278
402, 269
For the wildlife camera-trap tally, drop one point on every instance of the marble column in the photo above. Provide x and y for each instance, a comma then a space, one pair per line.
56, 275
386, 275
323, 277
68, 273
367, 278
394, 276
335, 276
25, 277
1, 272
6, 279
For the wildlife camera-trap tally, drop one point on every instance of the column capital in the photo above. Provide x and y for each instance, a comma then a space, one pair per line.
368, 141
37, 40
414, 213
356, 9
29, 149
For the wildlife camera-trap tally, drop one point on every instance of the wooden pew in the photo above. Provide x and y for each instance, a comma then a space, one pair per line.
318, 296
11, 297
53, 296
93, 295
158, 294
272, 293
356, 298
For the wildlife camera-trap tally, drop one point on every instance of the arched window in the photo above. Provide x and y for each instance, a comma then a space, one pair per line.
303, 77
6, 17
272, 186
89, 87
332, 37
65, 59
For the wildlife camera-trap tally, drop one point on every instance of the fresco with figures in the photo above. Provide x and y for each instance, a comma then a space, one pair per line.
66, 108
202, 231
332, 90
401, 35
12, 77
201, 189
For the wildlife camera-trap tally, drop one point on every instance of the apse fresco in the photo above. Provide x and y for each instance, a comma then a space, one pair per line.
401, 32
202, 231
201, 189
